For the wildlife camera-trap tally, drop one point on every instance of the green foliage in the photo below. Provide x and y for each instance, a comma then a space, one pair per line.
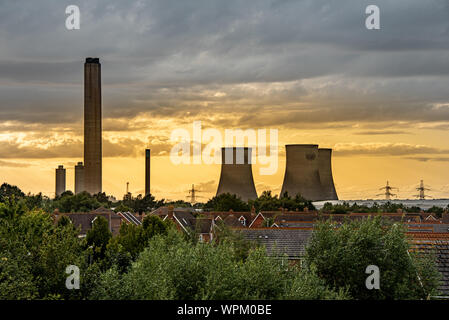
156, 261
139, 204
82, 202
226, 202
437, 211
98, 236
131, 241
242, 247
340, 256
306, 285
8, 191
171, 267
267, 202
12, 208
34, 254
388, 207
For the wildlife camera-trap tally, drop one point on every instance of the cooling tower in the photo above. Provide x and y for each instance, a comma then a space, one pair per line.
302, 172
325, 170
60, 180
236, 173
92, 126
79, 178
147, 171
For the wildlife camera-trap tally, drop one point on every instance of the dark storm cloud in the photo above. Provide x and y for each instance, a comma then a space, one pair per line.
160, 56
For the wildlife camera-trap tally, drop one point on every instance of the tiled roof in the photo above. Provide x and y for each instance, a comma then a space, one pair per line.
232, 221
439, 244
289, 224
291, 242
204, 225
102, 210
186, 219
84, 220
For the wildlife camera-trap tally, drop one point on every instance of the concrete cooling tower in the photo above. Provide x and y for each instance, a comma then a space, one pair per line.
302, 172
325, 170
236, 173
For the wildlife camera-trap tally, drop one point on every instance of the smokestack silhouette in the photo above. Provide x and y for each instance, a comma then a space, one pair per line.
92, 126
147, 171
60, 180
79, 178
236, 173
325, 170
302, 172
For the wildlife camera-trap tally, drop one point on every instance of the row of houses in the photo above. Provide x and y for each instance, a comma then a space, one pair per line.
281, 232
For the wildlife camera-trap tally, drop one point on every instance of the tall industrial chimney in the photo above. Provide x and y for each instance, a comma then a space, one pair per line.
60, 180
236, 173
325, 170
92, 126
302, 172
147, 171
79, 178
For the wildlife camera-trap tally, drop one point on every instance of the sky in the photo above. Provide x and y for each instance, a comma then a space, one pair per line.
309, 69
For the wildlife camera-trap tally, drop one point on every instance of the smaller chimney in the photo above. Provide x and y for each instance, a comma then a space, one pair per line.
170, 212
445, 216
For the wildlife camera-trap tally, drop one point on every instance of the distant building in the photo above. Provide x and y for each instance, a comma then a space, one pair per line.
60, 180
85, 220
79, 178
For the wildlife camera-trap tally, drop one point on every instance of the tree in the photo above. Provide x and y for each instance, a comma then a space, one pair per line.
438, 211
133, 239
226, 202
34, 254
340, 256
8, 191
98, 237
171, 267
267, 202
82, 202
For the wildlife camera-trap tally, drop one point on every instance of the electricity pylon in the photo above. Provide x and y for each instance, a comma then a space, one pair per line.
388, 194
193, 195
421, 189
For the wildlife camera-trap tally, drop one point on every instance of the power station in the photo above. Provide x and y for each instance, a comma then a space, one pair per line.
308, 172
92, 126
308, 169
236, 173
60, 180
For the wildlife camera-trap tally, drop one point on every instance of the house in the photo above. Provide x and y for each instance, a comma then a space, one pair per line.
185, 221
85, 220
280, 241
